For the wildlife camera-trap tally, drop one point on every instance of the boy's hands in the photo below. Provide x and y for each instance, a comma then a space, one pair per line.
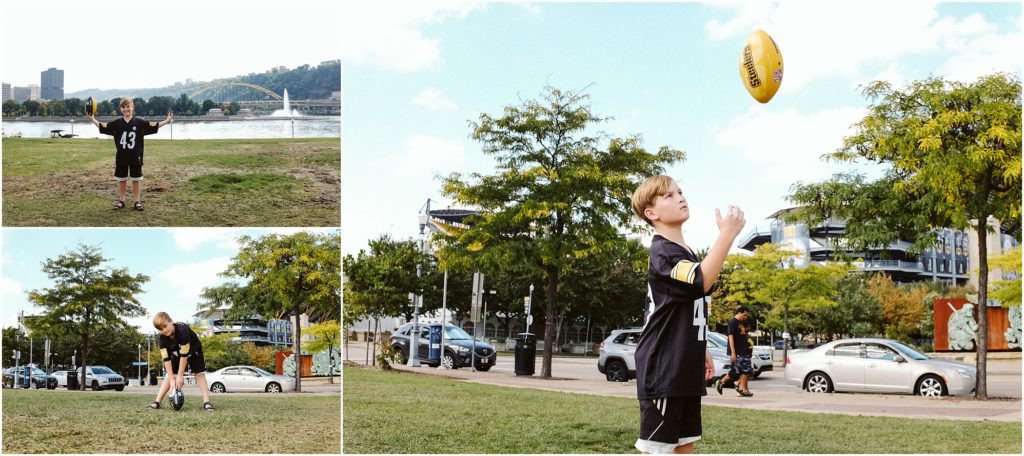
170, 117
179, 381
732, 222
709, 366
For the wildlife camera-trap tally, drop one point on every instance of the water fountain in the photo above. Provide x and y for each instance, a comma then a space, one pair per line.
287, 111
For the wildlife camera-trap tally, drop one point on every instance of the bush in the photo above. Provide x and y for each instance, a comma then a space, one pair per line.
386, 355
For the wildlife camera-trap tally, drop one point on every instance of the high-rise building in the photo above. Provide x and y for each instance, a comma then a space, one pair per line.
52, 81
7, 92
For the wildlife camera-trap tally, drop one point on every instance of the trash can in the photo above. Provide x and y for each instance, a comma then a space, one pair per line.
72, 380
152, 378
434, 352
526, 353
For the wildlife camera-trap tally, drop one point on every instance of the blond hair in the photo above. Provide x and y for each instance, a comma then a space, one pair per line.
647, 192
161, 319
127, 101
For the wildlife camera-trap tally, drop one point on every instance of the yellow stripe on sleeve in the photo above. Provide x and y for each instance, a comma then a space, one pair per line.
685, 271
184, 350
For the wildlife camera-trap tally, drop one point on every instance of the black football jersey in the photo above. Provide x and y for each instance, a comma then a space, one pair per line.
738, 330
129, 135
182, 344
671, 352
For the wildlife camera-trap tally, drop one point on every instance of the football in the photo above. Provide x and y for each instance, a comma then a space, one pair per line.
177, 400
90, 107
761, 66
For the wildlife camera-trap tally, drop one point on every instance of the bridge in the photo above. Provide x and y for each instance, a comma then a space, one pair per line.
258, 97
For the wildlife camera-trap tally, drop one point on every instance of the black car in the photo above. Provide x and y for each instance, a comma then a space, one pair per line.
458, 344
39, 378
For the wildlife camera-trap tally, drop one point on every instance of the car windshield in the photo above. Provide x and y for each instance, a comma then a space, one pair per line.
718, 339
101, 370
909, 352
38, 372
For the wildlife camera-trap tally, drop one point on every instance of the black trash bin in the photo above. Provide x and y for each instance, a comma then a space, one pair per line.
72, 380
526, 353
152, 378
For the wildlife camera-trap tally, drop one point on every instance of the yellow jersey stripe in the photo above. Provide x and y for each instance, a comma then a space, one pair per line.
685, 271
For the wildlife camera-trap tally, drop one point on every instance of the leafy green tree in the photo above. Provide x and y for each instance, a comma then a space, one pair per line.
952, 158
56, 108
157, 106
14, 339
12, 108
262, 357
103, 109
379, 281
87, 296
34, 108
207, 106
115, 106
221, 350
1007, 291
327, 334
857, 313
557, 196
297, 273
140, 106
75, 106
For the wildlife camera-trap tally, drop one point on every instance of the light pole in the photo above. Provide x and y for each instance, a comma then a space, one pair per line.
139, 366
529, 304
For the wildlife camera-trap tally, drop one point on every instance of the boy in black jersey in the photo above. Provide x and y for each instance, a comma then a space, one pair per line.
179, 346
740, 350
129, 133
672, 361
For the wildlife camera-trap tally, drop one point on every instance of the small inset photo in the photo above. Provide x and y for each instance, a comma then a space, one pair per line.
164, 117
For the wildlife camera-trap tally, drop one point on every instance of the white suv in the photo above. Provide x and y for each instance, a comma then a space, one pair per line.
101, 377
618, 365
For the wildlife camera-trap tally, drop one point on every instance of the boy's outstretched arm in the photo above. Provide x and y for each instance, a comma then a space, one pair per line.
729, 228
169, 119
93, 120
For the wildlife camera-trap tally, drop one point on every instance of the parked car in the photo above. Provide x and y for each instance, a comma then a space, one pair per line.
101, 378
62, 378
877, 365
761, 360
617, 363
39, 378
248, 378
458, 343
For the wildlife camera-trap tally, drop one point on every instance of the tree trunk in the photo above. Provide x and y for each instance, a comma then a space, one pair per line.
982, 351
298, 349
549, 322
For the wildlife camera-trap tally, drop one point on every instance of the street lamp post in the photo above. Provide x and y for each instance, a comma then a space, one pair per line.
139, 366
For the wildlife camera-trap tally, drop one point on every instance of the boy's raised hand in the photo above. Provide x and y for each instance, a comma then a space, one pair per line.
732, 222
170, 117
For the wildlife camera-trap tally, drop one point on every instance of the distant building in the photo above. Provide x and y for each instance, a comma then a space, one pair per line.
23, 94
336, 95
255, 329
7, 92
52, 82
215, 112
331, 62
245, 112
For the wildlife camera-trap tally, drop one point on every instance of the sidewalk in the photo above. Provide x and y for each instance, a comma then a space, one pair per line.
864, 404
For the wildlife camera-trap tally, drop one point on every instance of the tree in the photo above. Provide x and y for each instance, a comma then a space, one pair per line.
207, 106
56, 108
556, 198
14, 339
327, 334
233, 108
903, 306
87, 296
104, 108
379, 281
952, 158
857, 313
221, 350
34, 108
12, 108
75, 106
1007, 291
297, 273
140, 106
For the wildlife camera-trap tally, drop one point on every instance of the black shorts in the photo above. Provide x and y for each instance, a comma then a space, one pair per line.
743, 365
196, 363
125, 167
668, 422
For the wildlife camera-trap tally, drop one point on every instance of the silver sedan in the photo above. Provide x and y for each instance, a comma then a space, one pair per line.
248, 378
878, 366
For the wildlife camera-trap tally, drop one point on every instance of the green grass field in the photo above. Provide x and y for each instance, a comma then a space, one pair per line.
37, 421
401, 412
216, 182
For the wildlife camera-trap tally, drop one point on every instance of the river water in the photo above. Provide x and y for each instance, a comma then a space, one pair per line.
299, 127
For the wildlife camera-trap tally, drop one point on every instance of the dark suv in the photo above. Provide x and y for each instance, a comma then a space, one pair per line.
458, 343
39, 378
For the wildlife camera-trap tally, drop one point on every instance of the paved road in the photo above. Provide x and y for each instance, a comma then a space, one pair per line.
580, 375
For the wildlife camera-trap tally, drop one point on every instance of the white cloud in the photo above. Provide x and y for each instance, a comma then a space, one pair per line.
384, 34
425, 156
10, 289
828, 39
190, 239
432, 98
190, 278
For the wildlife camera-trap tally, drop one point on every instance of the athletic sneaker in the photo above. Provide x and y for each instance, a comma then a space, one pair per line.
718, 386
743, 393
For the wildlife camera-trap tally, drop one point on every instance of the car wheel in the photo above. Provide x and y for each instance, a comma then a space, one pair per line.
818, 382
931, 386
483, 368
399, 355
119, 388
448, 361
95, 385
273, 387
217, 387
616, 371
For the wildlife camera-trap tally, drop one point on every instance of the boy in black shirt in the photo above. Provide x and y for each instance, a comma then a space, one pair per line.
672, 361
129, 133
741, 349
179, 346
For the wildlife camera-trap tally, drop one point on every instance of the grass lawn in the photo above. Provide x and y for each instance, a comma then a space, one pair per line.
214, 182
451, 416
111, 422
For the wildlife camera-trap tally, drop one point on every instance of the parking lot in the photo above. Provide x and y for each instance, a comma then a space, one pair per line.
580, 375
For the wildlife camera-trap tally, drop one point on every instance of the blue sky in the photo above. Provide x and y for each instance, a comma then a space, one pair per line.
179, 262
415, 75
